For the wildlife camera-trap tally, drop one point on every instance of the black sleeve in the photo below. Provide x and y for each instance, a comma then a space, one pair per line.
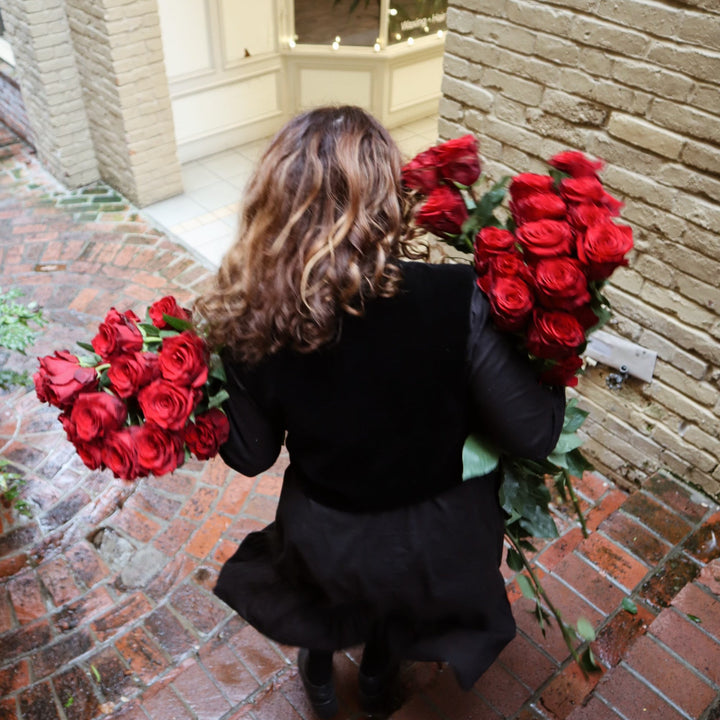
254, 442
522, 416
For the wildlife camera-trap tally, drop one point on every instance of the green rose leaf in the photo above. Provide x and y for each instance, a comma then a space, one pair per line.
88, 361
574, 416
577, 464
489, 202
629, 605
514, 560
217, 369
218, 399
588, 663
177, 323
526, 587
567, 442
479, 458
524, 496
585, 629
148, 330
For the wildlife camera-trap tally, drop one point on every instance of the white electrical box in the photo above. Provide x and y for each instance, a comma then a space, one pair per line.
621, 354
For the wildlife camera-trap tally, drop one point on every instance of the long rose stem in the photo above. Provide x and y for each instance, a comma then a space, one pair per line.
575, 502
567, 633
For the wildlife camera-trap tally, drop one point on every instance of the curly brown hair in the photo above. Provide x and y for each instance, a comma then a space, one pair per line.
323, 218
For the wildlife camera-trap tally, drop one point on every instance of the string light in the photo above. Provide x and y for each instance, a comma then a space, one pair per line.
336, 43
398, 36
291, 43
393, 11
411, 41
376, 47
439, 33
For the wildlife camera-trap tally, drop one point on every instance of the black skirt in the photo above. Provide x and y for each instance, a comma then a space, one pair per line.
321, 578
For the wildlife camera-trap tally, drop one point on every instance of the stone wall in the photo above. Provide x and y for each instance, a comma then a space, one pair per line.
93, 79
126, 93
49, 81
636, 83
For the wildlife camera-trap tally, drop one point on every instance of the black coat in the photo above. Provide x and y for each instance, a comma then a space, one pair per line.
374, 521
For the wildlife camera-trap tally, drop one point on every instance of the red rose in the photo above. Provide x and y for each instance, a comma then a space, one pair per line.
68, 426
612, 204
458, 160
61, 379
586, 317
205, 436
421, 173
526, 184
538, 206
511, 302
117, 334
166, 306
96, 414
489, 242
509, 264
128, 373
554, 335
119, 453
585, 215
444, 212
545, 238
183, 359
582, 190
590, 190
159, 452
576, 164
166, 404
560, 284
90, 453
563, 372
603, 248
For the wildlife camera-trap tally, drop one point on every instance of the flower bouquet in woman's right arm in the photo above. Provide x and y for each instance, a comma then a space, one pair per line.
542, 267
143, 397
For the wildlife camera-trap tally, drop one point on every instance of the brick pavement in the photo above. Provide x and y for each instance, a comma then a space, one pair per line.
106, 608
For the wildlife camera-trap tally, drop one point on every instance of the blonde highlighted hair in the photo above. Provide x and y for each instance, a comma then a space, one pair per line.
324, 217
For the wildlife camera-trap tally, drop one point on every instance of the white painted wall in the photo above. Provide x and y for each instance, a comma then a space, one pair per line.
234, 78
327, 86
224, 71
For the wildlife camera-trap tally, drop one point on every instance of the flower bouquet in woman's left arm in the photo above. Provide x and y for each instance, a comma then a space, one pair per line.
542, 263
143, 396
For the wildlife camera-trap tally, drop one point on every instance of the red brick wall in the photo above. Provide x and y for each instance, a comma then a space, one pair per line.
12, 107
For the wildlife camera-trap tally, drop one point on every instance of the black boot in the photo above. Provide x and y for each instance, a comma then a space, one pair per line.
380, 694
321, 693
378, 683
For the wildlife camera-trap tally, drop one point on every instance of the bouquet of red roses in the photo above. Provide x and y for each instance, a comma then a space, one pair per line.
542, 270
145, 399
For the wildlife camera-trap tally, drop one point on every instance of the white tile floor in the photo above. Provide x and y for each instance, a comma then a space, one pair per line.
203, 219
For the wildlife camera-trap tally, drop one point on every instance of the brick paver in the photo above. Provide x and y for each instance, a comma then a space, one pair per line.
106, 609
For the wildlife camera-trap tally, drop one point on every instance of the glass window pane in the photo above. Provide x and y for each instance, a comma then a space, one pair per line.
320, 22
415, 18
